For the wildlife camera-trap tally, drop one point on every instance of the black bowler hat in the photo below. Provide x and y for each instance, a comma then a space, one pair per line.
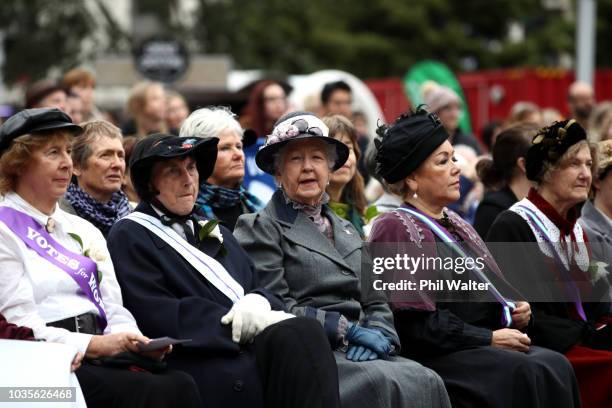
34, 121
404, 145
158, 147
549, 144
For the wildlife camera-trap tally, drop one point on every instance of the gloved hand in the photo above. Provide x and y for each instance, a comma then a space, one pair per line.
360, 353
370, 338
275, 316
248, 316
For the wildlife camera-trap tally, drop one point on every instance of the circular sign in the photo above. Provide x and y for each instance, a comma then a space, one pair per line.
161, 59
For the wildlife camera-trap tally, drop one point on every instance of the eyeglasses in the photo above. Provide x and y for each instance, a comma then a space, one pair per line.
302, 126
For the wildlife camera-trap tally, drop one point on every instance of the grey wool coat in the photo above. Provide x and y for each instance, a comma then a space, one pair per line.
322, 279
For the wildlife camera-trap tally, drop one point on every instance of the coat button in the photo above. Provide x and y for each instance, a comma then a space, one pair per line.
238, 385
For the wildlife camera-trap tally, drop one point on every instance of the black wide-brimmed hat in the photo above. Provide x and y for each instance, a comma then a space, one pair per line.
158, 147
404, 145
297, 126
38, 120
549, 144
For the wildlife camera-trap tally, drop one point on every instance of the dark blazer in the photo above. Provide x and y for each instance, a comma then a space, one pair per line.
168, 297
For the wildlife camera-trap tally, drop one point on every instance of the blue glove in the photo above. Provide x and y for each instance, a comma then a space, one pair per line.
360, 353
369, 338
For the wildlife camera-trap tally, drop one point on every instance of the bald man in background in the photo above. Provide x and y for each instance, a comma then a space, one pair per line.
581, 101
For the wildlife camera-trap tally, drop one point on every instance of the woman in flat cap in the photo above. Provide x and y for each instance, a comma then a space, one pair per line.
312, 259
184, 276
57, 275
473, 338
551, 263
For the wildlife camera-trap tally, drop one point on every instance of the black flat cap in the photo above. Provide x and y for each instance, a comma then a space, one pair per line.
35, 121
549, 144
159, 146
403, 146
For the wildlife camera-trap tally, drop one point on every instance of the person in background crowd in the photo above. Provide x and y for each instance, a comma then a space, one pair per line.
99, 166
601, 113
74, 107
185, 279
306, 254
81, 82
385, 202
222, 195
550, 116
524, 112
146, 106
346, 187
553, 263
45, 93
503, 175
177, 111
605, 131
267, 103
360, 122
127, 187
337, 99
469, 331
596, 215
581, 101
445, 103
490, 132
39, 288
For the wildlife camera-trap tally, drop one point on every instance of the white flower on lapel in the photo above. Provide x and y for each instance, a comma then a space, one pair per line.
598, 270
96, 253
210, 229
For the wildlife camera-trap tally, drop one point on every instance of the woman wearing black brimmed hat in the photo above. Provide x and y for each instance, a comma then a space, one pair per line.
312, 258
568, 309
57, 275
186, 277
474, 339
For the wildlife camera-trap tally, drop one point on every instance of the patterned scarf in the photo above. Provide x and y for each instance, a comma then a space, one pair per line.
315, 214
211, 197
102, 215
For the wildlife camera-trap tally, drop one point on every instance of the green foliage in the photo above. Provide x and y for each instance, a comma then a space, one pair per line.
40, 34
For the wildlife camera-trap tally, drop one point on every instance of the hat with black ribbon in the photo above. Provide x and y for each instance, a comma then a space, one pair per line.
296, 126
549, 144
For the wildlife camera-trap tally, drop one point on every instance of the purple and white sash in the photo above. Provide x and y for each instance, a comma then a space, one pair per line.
80, 268
508, 306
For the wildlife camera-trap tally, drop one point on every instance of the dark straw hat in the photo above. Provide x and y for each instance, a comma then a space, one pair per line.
35, 121
158, 147
404, 145
296, 126
549, 144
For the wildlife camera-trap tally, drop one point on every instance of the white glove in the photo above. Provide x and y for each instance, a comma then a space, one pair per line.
248, 316
276, 316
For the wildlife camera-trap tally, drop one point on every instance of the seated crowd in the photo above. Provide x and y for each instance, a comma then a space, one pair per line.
272, 296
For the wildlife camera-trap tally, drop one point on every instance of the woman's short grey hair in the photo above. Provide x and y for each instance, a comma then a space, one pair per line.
399, 188
210, 122
330, 151
548, 168
82, 145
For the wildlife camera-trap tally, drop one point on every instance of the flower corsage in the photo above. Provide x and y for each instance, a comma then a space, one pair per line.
209, 229
94, 252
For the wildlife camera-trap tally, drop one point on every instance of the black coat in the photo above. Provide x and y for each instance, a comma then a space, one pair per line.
168, 297
552, 323
493, 203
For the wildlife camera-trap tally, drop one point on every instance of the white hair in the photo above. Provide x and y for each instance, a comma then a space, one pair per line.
210, 122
